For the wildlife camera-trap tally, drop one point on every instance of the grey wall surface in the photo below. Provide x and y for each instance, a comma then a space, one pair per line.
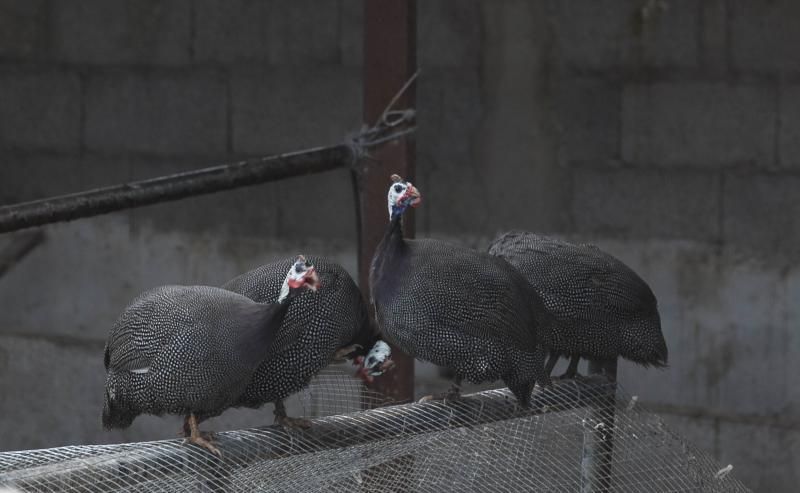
667, 132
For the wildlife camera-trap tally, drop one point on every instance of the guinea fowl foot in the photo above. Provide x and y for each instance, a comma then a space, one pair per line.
200, 438
291, 423
443, 396
572, 376
202, 442
453, 394
572, 370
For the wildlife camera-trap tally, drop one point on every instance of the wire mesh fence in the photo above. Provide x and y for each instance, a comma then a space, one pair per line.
579, 436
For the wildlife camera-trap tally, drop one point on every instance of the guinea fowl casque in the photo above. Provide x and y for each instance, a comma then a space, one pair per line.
604, 309
331, 325
455, 307
191, 350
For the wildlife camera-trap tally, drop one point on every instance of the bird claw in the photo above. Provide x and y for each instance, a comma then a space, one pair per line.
293, 423
445, 397
205, 443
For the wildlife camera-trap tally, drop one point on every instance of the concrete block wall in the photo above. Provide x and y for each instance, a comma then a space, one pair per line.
667, 132
104, 92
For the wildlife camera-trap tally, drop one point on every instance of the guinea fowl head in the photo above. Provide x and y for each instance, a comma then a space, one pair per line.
377, 361
301, 276
402, 195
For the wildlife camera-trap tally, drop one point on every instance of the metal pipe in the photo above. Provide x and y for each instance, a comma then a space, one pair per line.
598, 438
390, 34
174, 187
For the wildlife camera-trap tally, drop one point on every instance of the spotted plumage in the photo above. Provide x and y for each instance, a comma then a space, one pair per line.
314, 328
455, 307
603, 308
184, 350
191, 350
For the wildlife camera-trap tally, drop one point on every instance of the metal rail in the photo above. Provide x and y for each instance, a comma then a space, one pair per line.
112, 464
174, 187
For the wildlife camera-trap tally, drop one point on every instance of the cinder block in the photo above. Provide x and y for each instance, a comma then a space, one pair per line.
646, 204
714, 36
317, 206
231, 32
791, 345
242, 213
665, 33
764, 458
351, 33
698, 431
122, 31
66, 405
594, 34
22, 28
698, 124
789, 138
304, 32
741, 365
449, 125
764, 35
449, 33
589, 119
37, 176
451, 106
288, 109
159, 112
40, 111
762, 213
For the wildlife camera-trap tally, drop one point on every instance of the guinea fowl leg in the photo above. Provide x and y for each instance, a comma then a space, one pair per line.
282, 419
452, 394
196, 437
572, 370
551, 362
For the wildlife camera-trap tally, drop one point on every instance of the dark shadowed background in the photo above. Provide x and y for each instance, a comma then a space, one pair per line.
665, 131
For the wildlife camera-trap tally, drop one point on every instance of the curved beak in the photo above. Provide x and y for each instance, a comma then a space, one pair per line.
412, 196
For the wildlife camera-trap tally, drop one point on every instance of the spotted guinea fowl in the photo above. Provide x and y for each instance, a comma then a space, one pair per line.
191, 350
458, 308
603, 307
317, 329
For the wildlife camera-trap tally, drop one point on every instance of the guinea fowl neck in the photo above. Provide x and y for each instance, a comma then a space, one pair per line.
389, 251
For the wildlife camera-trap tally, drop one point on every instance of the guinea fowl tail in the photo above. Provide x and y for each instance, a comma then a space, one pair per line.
646, 345
115, 413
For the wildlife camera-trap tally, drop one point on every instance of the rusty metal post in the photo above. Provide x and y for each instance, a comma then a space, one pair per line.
389, 61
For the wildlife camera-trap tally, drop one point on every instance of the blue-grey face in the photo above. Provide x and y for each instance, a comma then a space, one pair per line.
402, 194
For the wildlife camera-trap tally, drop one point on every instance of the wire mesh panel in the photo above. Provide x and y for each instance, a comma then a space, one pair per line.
578, 436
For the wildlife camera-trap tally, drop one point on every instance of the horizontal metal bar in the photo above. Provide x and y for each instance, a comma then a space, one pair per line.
102, 468
174, 187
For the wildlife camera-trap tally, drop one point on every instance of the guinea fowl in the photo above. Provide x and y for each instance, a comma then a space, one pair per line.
331, 325
191, 351
603, 308
455, 307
